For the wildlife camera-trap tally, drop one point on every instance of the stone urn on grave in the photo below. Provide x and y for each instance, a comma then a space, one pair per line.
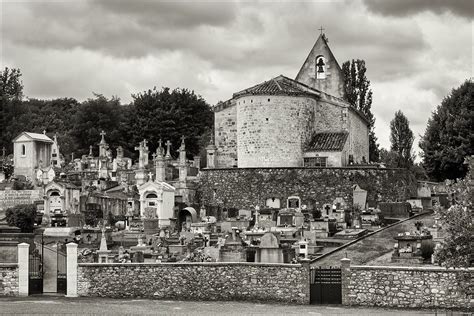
150, 221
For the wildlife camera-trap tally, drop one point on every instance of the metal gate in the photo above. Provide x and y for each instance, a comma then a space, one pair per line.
35, 274
325, 285
61, 275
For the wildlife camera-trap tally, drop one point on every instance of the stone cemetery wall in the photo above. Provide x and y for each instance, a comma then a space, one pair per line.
395, 209
244, 187
196, 281
8, 279
407, 287
10, 198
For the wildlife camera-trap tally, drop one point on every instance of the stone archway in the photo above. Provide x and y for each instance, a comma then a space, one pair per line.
151, 205
186, 217
55, 202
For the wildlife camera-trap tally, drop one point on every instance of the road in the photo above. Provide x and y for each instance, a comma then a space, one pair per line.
44, 305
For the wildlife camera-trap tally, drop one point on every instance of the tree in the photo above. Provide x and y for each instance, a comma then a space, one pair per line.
11, 93
168, 115
359, 95
401, 138
22, 216
449, 136
93, 116
458, 245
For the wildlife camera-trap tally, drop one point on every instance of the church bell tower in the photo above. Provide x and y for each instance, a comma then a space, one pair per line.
321, 70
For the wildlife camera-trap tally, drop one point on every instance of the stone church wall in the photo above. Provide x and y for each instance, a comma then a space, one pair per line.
8, 279
281, 283
225, 125
244, 188
330, 117
407, 287
272, 130
358, 137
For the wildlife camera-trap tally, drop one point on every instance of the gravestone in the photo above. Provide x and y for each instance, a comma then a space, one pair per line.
359, 197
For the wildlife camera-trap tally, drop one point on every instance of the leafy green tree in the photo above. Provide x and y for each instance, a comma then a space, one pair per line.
169, 114
449, 136
93, 116
457, 248
388, 158
11, 94
401, 138
359, 95
22, 216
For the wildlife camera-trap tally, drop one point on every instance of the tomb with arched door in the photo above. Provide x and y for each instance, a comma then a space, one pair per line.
157, 201
60, 201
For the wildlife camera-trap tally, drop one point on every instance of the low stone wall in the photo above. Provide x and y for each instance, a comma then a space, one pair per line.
407, 287
196, 281
8, 279
246, 187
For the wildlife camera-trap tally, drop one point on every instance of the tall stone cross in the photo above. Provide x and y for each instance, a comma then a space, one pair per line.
150, 176
90, 150
144, 144
154, 156
168, 149
103, 136
141, 161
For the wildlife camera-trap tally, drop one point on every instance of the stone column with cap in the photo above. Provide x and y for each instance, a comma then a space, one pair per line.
23, 261
211, 151
183, 168
160, 170
345, 280
71, 269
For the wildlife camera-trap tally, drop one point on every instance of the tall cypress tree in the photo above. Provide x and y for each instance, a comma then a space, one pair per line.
401, 138
359, 95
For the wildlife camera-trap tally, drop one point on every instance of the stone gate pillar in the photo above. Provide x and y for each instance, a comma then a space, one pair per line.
71, 269
23, 260
345, 280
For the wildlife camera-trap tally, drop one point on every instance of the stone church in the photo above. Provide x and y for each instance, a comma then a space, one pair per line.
284, 122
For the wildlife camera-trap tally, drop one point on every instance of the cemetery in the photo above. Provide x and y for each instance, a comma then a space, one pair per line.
263, 218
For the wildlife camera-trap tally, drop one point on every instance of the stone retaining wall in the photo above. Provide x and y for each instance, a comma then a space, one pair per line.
8, 279
407, 287
10, 198
246, 187
196, 281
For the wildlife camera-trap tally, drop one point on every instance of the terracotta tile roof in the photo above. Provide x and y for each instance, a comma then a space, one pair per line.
280, 85
327, 141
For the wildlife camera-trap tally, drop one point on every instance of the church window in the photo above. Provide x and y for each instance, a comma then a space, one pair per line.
320, 67
268, 100
23, 150
315, 162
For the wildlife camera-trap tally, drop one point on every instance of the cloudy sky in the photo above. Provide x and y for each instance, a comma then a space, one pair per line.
416, 51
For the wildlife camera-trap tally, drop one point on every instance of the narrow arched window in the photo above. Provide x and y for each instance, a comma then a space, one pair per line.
320, 67
23, 150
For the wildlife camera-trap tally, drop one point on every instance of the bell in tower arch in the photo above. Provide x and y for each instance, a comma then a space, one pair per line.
320, 65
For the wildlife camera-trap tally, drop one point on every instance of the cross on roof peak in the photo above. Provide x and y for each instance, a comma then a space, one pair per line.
321, 29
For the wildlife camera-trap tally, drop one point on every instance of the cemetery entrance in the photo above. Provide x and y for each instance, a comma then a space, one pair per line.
54, 268
35, 273
325, 285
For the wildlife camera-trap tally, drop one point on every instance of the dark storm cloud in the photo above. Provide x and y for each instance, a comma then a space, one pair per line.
464, 8
181, 14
